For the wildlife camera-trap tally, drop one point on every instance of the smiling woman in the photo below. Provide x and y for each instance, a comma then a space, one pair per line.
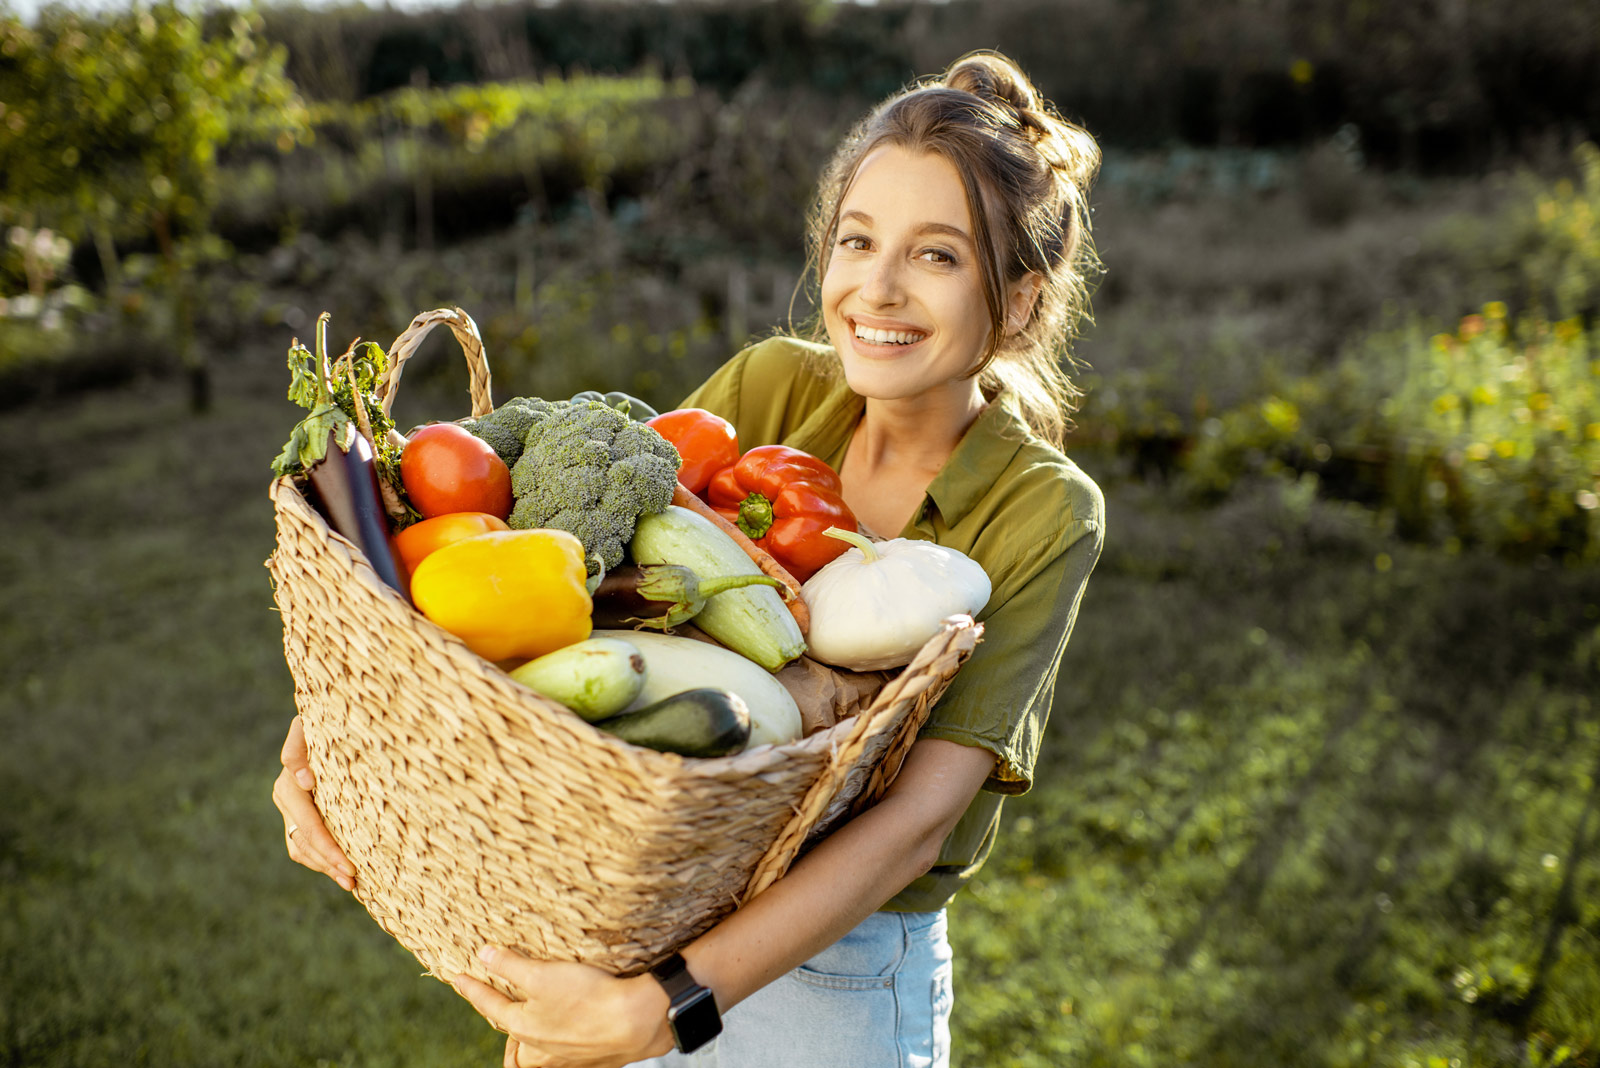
951, 248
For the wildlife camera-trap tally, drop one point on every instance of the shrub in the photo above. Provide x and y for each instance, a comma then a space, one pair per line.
1486, 435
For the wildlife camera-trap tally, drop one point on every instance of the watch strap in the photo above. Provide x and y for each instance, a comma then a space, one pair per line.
673, 975
692, 1009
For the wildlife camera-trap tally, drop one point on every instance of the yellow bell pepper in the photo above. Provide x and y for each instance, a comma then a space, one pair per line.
512, 594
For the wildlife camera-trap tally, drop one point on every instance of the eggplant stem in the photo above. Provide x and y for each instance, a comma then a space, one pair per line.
324, 389
710, 587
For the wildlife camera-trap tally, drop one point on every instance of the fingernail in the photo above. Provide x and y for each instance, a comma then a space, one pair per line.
487, 954
304, 778
346, 882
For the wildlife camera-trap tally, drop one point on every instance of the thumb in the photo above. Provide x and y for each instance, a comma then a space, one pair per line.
295, 758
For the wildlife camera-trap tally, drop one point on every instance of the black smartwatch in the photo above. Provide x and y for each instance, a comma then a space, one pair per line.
692, 1014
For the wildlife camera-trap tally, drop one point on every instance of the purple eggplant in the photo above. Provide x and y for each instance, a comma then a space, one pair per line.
346, 488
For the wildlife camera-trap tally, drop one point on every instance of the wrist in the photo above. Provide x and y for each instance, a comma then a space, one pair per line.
645, 1008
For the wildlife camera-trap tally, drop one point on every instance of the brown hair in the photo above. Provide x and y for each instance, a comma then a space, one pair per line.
1027, 173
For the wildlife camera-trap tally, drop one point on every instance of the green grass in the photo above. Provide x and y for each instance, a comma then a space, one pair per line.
147, 912
1311, 796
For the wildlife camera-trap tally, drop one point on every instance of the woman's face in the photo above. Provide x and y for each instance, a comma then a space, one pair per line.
902, 297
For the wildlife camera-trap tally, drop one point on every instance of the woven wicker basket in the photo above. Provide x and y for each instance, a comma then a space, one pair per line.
477, 812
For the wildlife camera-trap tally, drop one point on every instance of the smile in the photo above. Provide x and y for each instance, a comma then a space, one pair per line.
887, 337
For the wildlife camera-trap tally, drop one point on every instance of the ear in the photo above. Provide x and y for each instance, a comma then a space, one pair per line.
1021, 296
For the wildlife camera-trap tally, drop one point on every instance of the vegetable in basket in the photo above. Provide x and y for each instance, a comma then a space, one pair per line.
349, 468
588, 469
513, 594
706, 442
674, 664
660, 596
445, 470
783, 499
751, 621
596, 678
704, 722
415, 543
628, 405
506, 427
876, 605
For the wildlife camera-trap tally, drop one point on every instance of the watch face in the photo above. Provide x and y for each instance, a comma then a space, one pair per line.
695, 1022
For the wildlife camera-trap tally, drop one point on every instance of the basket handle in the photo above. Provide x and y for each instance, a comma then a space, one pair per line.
466, 332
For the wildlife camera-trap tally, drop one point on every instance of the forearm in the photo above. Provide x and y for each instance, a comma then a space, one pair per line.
844, 879
590, 1017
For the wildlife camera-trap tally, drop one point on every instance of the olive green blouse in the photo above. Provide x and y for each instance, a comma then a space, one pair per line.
1007, 499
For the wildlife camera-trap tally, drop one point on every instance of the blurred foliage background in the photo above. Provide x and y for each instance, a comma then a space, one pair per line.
1320, 787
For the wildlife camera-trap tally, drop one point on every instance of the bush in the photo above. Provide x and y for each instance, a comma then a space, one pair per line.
464, 158
1488, 435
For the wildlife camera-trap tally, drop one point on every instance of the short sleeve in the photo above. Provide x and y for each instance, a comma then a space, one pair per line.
1001, 698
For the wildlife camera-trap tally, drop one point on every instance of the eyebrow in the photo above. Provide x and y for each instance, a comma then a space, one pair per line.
926, 228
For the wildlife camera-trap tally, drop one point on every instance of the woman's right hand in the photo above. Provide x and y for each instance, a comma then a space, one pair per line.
303, 830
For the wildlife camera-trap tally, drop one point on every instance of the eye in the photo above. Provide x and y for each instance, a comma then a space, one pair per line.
855, 243
939, 256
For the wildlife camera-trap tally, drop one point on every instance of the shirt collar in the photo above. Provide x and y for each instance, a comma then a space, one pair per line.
985, 450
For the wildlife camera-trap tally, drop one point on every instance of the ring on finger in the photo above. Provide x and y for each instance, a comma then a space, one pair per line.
289, 834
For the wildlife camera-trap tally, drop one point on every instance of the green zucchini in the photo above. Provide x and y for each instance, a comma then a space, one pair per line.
674, 664
751, 621
706, 722
596, 678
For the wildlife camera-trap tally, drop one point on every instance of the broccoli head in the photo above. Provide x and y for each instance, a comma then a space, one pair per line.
505, 428
588, 469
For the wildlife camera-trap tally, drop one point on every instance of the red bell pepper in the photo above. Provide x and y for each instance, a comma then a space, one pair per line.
783, 499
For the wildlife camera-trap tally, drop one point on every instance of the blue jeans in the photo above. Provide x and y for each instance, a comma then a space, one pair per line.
880, 997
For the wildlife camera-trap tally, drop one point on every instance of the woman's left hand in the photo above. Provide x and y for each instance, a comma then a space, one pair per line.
575, 1015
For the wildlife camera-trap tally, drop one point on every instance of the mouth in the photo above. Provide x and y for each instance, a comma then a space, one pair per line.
874, 336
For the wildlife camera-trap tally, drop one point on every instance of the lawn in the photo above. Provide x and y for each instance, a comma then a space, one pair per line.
1312, 795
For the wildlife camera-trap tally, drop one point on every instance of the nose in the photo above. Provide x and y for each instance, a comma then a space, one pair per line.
882, 285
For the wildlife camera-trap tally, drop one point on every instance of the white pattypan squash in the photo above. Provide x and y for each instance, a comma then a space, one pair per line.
876, 605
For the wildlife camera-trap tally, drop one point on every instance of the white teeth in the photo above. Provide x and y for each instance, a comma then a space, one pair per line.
887, 337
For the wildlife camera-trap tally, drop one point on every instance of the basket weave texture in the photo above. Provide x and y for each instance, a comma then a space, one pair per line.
477, 812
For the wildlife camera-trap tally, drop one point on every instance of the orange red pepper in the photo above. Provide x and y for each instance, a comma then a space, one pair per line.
784, 499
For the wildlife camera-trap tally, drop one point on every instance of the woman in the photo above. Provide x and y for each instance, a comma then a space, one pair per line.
951, 242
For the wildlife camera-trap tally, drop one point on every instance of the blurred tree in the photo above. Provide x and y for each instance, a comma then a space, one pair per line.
110, 126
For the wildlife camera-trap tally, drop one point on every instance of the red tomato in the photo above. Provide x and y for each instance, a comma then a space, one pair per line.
706, 442
445, 469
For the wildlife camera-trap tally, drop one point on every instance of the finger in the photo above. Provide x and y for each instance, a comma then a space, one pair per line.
490, 1003
310, 843
296, 760
298, 842
510, 1059
521, 972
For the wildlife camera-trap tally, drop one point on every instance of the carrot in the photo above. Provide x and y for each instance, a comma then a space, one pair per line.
764, 560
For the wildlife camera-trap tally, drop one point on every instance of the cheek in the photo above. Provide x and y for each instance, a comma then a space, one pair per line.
834, 287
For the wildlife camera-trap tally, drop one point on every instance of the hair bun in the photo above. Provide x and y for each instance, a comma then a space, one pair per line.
992, 77
995, 79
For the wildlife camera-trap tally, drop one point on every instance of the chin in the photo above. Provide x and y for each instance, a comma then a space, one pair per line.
875, 380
